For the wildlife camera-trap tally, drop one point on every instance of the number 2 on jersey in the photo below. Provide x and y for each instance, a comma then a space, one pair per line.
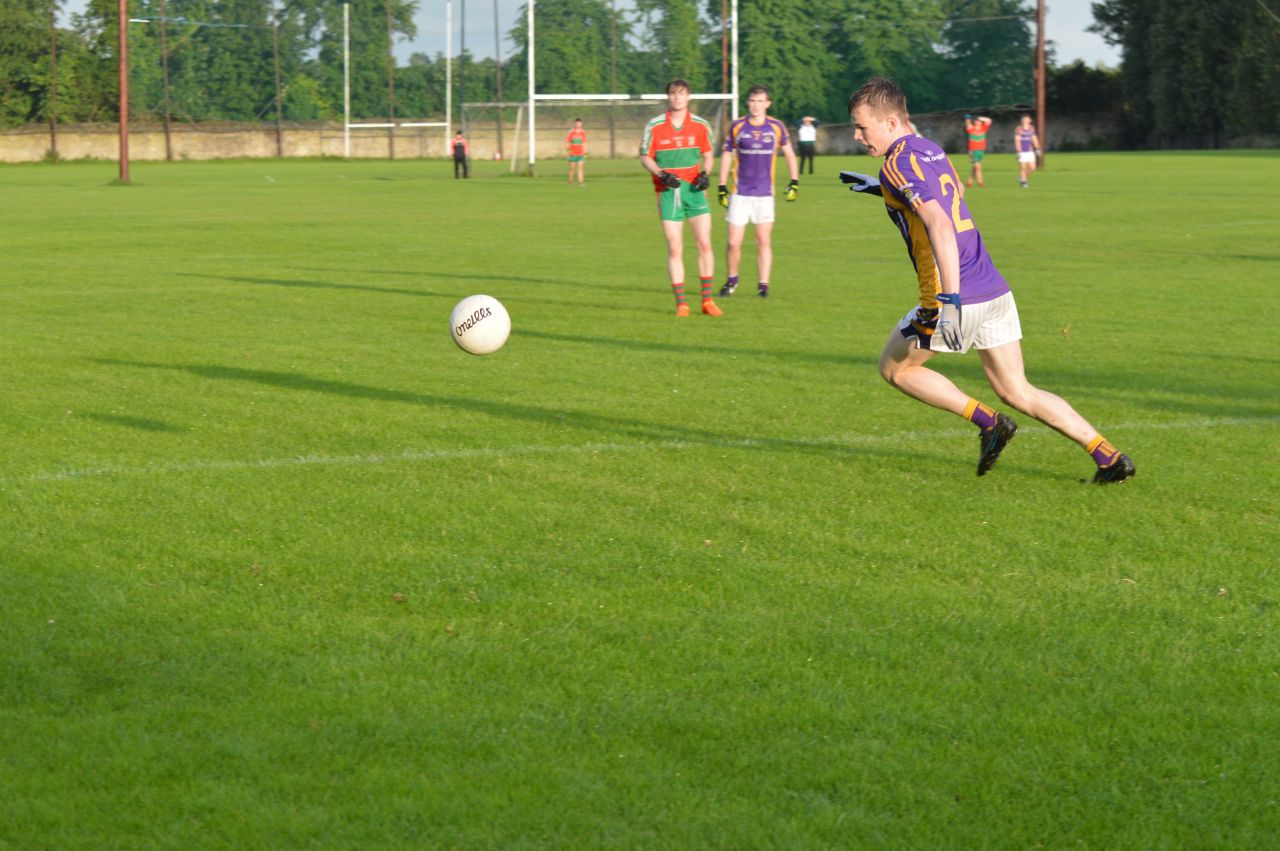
962, 224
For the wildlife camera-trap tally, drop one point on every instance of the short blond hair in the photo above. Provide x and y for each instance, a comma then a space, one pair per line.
882, 95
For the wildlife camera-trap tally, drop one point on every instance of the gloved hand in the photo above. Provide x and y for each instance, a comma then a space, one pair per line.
702, 181
669, 180
724, 195
949, 320
861, 182
793, 190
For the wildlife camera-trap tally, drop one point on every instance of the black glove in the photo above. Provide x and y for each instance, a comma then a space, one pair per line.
861, 182
702, 182
793, 190
668, 180
724, 195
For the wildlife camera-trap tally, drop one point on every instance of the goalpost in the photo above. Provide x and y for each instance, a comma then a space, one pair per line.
534, 97
348, 125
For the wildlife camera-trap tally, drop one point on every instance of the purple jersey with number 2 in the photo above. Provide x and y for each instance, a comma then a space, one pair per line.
916, 171
755, 148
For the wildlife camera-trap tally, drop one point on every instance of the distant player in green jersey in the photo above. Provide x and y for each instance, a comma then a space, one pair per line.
678, 152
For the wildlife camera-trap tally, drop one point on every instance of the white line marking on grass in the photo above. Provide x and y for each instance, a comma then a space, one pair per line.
419, 455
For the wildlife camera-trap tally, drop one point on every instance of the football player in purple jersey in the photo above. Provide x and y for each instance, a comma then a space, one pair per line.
752, 146
964, 301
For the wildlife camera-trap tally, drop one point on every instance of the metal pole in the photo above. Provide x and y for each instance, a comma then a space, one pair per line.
346, 80
497, 67
462, 66
164, 73
1040, 128
734, 47
53, 78
275, 51
122, 49
391, 87
448, 76
613, 76
532, 66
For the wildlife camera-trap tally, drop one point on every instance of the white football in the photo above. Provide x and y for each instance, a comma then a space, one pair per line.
480, 324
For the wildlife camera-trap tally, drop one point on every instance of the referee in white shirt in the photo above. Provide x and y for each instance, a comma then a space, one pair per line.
807, 137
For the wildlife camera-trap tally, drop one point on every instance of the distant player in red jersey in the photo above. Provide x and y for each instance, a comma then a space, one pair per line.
976, 127
924, 200
678, 152
576, 141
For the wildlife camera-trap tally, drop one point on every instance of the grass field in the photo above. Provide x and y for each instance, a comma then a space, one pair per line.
280, 567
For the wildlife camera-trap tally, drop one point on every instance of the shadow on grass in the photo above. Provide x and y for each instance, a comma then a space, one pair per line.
140, 423
417, 293
320, 285
691, 348
594, 423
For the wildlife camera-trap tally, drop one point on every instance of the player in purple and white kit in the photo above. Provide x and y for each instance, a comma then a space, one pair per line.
1027, 144
964, 301
751, 146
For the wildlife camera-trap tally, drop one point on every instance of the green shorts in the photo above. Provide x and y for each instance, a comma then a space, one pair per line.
574, 159
677, 205
976, 156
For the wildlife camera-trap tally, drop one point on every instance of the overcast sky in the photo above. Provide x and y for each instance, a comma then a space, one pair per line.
1064, 25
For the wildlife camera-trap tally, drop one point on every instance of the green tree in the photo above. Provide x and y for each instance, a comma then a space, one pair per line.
988, 54
24, 60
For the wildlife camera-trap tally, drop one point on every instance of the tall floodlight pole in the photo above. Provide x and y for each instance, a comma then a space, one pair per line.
122, 49
1040, 129
275, 57
497, 67
346, 80
164, 77
448, 75
532, 123
613, 76
734, 90
53, 77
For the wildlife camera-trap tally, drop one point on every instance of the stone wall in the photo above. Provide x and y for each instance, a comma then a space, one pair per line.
206, 142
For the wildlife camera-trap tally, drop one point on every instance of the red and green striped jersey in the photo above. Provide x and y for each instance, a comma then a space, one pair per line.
678, 150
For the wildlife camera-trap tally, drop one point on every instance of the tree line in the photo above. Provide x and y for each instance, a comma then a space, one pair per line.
1194, 73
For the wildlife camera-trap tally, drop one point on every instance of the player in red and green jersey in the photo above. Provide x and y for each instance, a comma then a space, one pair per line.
976, 127
678, 152
576, 141
923, 197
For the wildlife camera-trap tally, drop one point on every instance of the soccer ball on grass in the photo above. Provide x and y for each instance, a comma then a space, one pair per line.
480, 324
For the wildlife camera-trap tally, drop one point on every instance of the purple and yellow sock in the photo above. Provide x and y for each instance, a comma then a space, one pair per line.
678, 289
980, 415
732, 280
706, 286
1104, 454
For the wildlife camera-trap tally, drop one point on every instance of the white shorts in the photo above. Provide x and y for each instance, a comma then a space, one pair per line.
1027, 157
982, 326
756, 209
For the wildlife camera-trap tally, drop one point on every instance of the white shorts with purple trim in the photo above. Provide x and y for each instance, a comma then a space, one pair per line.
984, 325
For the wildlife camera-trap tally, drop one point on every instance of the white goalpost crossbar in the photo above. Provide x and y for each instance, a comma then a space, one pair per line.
534, 97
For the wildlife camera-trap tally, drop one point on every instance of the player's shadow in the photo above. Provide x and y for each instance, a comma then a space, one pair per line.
140, 423
511, 301
594, 423
684, 348
321, 285
592, 285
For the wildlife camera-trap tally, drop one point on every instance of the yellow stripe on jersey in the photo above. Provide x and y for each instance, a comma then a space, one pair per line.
915, 166
921, 250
